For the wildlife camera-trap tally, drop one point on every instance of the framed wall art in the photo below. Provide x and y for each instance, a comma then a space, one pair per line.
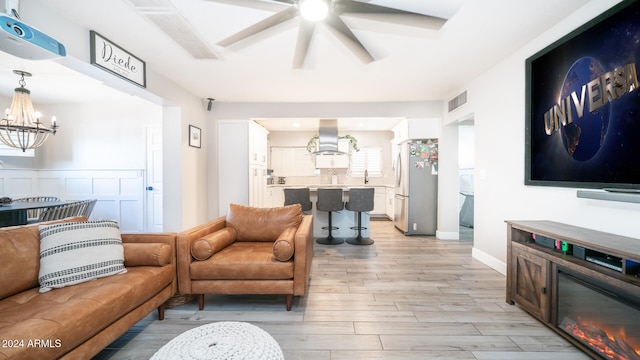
195, 136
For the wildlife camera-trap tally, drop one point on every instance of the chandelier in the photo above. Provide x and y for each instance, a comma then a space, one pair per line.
21, 127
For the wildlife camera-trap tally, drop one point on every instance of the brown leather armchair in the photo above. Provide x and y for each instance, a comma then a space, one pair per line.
248, 251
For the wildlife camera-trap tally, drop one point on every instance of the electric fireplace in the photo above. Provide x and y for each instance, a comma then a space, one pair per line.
605, 319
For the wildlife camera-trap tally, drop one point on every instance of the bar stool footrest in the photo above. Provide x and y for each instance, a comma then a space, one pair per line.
356, 228
330, 228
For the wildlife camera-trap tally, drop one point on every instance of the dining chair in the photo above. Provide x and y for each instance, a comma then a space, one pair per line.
61, 212
34, 214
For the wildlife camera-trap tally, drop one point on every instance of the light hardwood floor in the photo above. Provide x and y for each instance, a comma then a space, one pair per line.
401, 298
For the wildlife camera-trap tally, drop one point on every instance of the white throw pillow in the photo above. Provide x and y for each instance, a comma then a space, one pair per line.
77, 252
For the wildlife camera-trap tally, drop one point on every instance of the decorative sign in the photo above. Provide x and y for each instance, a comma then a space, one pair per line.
114, 59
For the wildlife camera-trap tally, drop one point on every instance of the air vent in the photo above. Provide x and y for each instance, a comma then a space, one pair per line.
458, 101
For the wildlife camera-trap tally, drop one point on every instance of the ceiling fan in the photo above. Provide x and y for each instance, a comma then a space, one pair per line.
164, 14
331, 12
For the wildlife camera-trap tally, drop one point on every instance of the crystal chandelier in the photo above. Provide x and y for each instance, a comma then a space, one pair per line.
21, 127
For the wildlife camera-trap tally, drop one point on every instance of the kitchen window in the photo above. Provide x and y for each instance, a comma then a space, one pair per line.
368, 158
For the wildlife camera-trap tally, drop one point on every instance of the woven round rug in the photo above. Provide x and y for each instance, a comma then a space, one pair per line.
222, 340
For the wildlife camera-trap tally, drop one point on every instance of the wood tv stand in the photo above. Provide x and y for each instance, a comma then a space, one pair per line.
534, 262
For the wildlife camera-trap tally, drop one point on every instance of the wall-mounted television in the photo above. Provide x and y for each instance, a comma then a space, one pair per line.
583, 105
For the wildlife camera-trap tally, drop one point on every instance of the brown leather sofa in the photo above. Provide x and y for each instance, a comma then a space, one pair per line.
248, 251
78, 321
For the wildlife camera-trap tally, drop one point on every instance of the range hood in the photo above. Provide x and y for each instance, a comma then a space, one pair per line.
328, 138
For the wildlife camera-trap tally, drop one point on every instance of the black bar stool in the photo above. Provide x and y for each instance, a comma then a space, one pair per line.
300, 196
360, 200
329, 200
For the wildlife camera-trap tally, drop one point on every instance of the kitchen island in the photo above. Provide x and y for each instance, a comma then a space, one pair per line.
344, 219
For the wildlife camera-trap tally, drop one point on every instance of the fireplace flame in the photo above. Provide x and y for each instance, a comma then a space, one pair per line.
606, 344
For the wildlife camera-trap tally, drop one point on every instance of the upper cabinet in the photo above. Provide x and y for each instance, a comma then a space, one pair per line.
257, 144
426, 128
291, 161
335, 161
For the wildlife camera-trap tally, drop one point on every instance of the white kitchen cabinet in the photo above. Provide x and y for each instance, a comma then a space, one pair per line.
257, 185
379, 201
257, 144
291, 161
276, 195
390, 202
427, 128
332, 161
335, 161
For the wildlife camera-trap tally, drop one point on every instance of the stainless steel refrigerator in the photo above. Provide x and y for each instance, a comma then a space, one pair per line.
416, 198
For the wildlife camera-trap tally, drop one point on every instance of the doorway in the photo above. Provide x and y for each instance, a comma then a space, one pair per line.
154, 214
466, 168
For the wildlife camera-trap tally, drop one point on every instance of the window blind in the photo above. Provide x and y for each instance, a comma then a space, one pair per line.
368, 158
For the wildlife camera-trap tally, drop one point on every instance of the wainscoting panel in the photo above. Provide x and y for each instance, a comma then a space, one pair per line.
17, 182
120, 193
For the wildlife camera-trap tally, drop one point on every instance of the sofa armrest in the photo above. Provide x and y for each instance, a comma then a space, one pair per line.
303, 255
184, 241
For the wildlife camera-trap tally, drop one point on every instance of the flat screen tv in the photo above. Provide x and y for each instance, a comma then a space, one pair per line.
583, 106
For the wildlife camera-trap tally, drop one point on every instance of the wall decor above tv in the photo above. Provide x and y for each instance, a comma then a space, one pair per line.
583, 105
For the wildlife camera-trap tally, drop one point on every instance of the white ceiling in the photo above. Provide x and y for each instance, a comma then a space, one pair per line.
412, 64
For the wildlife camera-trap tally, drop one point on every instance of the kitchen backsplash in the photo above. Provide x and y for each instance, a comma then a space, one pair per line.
343, 178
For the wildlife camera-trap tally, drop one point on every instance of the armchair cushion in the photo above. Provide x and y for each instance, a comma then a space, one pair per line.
283, 248
147, 254
206, 246
262, 224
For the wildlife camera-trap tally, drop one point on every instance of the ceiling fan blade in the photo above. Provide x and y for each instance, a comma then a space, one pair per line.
167, 18
348, 38
302, 45
390, 15
271, 21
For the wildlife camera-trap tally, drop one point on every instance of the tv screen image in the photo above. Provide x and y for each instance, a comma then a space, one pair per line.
583, 105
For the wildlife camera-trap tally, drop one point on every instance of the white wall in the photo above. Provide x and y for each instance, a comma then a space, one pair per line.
497, 100
185, 168
99, 136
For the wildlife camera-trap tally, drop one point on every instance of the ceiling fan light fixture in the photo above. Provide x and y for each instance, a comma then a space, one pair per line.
314, 10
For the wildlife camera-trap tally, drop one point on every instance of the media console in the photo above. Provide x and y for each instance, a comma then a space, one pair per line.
583, 284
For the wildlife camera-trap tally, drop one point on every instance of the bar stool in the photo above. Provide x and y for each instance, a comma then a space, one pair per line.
360, 200
300, 196
330, 200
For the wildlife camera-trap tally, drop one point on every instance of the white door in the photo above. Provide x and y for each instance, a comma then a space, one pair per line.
154, 179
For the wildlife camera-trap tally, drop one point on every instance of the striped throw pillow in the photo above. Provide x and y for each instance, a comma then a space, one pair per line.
77, 252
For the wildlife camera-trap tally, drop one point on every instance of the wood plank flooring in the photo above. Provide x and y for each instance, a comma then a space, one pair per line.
401, 298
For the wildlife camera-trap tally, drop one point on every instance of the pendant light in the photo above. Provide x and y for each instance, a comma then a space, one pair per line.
21, 127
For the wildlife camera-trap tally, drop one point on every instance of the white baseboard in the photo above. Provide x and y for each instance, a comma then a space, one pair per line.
489, 260
447, 235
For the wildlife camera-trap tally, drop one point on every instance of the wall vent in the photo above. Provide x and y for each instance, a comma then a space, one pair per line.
458, 101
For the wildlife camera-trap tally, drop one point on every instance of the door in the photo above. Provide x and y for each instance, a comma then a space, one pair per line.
530, 282
154, 221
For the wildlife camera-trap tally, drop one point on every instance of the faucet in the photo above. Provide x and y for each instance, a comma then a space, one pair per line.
366, 176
